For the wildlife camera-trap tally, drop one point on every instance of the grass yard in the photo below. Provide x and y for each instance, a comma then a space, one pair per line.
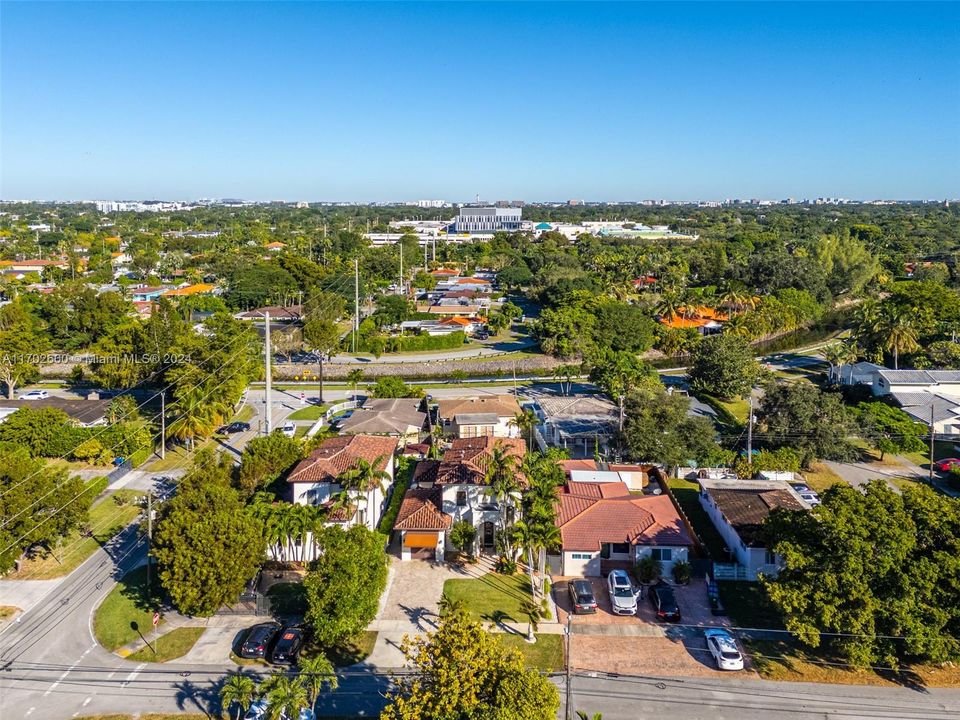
492, 597
170, 646
819, 477
178, 457
545, 654
107, 518
733, 412
687, 493
245, 415
308, 412
126, 606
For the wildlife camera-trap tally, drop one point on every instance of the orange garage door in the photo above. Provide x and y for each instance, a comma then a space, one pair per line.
420, 540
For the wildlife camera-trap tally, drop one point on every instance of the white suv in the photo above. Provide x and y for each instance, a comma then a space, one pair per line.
623, 601
35, 395
289, 429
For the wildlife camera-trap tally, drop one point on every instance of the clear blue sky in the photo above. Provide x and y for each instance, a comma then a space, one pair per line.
531, 101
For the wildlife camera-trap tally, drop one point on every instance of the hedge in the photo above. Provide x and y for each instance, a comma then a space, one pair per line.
417, 343
403, 475
96, 486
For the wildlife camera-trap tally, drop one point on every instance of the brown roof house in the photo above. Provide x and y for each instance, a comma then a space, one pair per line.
738, 509
480, 416
318, 478
386, 416
456, 488
603, 526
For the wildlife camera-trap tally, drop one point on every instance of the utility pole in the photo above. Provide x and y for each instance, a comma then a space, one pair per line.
356, 301
930, 478
149, 537
266, 359
750, 433
568, 713
163, 425
401, 267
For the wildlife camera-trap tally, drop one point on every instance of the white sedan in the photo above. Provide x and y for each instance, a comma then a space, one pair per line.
35, 395
724, 649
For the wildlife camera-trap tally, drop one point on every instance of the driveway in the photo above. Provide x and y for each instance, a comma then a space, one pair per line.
409, 606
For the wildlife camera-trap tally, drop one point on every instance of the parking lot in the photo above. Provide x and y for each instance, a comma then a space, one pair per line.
605, 642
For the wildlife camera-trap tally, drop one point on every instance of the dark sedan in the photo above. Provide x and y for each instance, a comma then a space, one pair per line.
581, 596
258, 640
287, 647
661, 595
235, 427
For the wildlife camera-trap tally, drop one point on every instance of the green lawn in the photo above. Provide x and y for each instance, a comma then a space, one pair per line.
545, 654
178, 457
170, 646
126, 607
729, 412
819, 477
350, 652
245, 415
107, 518
492, 597
687, 493
310, 412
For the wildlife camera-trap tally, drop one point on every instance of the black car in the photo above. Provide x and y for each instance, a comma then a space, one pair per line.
287, 647
661, 595
258, 640
581, 596
235, 427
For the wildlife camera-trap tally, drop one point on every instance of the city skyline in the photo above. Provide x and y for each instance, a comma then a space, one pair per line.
540, 102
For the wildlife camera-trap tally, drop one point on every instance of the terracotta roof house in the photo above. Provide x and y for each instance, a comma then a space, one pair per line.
197, 289
456, 488
480, 416
386, 416
316, 480
706, 320
603, 526
738, 509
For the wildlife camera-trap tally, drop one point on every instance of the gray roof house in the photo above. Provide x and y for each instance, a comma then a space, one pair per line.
386, 416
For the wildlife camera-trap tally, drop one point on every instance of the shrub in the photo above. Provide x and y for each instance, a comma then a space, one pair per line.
462, 535
506, 565
88, 450
647, 569
682, 572
412, 343
403, 475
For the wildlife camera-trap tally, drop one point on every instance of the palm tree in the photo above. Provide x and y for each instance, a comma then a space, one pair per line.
581, 715
450, 606
267, 514
196, 416
315, 673
897, 333
548, 538
501, 477
238, 690
286, 698
526, 420
525, 537
534, 612
364, 477
840, 354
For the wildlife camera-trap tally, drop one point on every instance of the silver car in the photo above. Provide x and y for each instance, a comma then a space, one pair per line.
623, 601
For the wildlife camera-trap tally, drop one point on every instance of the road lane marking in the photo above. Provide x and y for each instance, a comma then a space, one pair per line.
87, 701
132, 676
54, 686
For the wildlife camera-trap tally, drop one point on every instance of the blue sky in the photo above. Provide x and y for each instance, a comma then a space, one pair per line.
528, 101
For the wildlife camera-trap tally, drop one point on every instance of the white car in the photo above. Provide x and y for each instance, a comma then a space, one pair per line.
289, 429
811, 498
35, 395
623, 600
724, 649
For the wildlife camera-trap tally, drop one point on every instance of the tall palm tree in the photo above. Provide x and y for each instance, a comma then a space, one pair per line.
239, 690
286, 698
840, 354
316, 673
897, 333
548, 538
363, 478
354, 378
525, 538
195, 416
267, 514
526, 420
501, 477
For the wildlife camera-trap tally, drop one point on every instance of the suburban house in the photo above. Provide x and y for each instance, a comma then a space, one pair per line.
858, 373
23, 267
386, 416
146, 293
278, 313
706, 320
443, 327
316, 480
187, 290
635, 477
582, 424
85, 413
451, 489
738, 509
928, 396
491, 415
603, 527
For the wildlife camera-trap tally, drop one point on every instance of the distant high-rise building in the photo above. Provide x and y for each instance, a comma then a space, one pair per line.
487, 219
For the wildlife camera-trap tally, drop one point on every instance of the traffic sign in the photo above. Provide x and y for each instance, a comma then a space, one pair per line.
156, 619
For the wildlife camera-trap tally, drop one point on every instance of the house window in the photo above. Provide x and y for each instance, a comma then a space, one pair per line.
461, 498
770, 558
581, 556
662, 554
620, 548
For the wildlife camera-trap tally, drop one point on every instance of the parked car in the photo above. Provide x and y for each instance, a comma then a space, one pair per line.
661, 596
800, 487
724, 649
35, 395
257, 710
581, 596
289, 429
235, 427
946, 464
623, 601
287, 646
811, 498
258, 640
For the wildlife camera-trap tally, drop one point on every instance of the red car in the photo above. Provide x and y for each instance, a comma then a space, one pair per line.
947, 463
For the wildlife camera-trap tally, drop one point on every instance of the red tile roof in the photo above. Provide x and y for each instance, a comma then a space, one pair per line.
465, 463
421, 510
582, 464
337, 455
587, 518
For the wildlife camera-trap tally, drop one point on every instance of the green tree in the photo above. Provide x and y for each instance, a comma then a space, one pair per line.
317, 673
345, 583
286, 697
657, 428
206, 544
462, 671
526, 421
238, 690
462, 535
800, 416
897, 332
723, 366
354, 378
566, 332
391, 386
20, 348
890, 429
266, 458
